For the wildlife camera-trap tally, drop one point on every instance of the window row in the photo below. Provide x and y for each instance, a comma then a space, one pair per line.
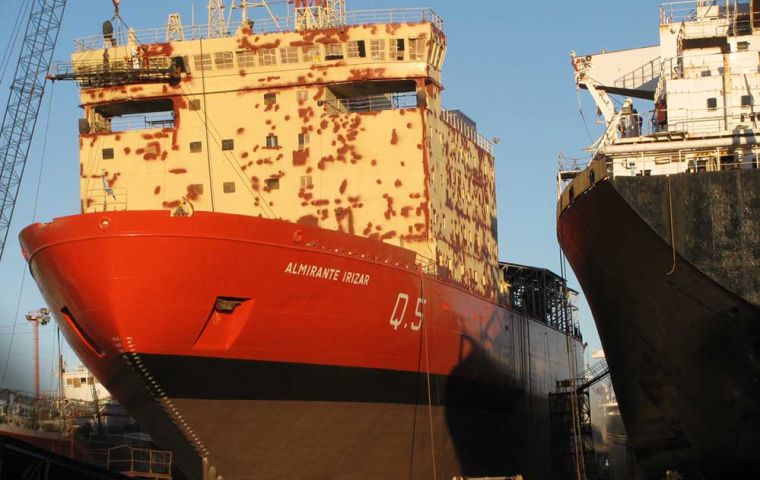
395, 49
271, 141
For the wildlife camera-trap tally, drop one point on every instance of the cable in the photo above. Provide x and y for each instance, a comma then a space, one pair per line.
427, 371
15, 31
583, 117
232, 160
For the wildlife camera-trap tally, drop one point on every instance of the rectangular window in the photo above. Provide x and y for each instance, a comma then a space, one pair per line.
746, 100
196, 147
396, 48
742, 46
159, 62
334, 51
223, 60
303, 141
229, 187
195, 104
417, 49
311, 54
108, 154
270, 98
267, 56
273, 183
289, 55
306, 181
712, 103
302, 96
245, 59
356, 49
202, 62
377, 49
272, 141
228, 144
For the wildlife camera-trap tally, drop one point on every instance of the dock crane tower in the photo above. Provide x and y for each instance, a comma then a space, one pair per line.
26, 92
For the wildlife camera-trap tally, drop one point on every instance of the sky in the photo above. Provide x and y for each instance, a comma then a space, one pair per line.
507, 67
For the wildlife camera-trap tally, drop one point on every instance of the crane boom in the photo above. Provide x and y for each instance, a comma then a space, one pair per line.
24, 101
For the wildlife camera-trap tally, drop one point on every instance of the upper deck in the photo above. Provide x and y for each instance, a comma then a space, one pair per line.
271, 24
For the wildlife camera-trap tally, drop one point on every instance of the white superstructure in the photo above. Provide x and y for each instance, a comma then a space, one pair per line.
80, 385
704, 84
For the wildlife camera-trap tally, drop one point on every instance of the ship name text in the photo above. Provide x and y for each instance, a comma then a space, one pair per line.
327, 273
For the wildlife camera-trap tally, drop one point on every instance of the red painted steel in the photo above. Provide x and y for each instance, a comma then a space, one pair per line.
147, 282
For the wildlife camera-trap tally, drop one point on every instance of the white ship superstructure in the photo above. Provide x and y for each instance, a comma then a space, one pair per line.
704, 81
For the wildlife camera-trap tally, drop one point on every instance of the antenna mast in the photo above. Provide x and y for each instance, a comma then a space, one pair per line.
244, 5
217, 26
319, 14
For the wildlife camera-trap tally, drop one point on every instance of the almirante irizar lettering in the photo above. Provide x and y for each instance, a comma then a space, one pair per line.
326, 273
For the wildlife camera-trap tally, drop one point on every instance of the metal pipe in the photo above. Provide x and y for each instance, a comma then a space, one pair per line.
734, 141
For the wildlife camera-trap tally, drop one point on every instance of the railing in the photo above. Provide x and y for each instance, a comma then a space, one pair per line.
375, 103
266, 25
688, 11
645, 73
455, 121
133, 122
704, 19
678, 162
102, 200
141, 462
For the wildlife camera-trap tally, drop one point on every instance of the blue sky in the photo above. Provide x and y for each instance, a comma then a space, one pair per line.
507, 67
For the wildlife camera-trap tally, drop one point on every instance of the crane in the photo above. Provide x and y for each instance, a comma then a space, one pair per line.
27, 89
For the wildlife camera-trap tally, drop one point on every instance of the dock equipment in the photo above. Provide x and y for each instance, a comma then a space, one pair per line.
573, 451
24, 102
21, 461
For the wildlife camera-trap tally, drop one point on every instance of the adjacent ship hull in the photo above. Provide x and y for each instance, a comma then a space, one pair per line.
680, 326
275, 350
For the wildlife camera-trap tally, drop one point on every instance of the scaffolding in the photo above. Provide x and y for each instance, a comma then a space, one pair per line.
543, 295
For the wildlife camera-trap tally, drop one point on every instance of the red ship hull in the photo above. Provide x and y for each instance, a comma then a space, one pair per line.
276, 350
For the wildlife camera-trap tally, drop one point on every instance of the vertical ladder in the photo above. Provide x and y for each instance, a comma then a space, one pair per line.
24, 102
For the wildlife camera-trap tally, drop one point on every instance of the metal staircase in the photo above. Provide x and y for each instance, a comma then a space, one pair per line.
24, 101
573, 453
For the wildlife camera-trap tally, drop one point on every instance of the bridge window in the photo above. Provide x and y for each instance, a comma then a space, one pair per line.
273, 183
357, 49
417, 49
245, 59
746, 100
396, 48
377, 49
196, 147
229, 187
202, 62
289, 55
108, 154
270, 98
272, 141
334, 51
712, 103
228, 144
311, 54
223, 60
267, 56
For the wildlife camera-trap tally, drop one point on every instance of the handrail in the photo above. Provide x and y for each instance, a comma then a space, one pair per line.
456, 122
373, 103
267, 25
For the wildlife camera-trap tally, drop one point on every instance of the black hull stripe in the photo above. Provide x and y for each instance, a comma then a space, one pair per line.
228, 379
